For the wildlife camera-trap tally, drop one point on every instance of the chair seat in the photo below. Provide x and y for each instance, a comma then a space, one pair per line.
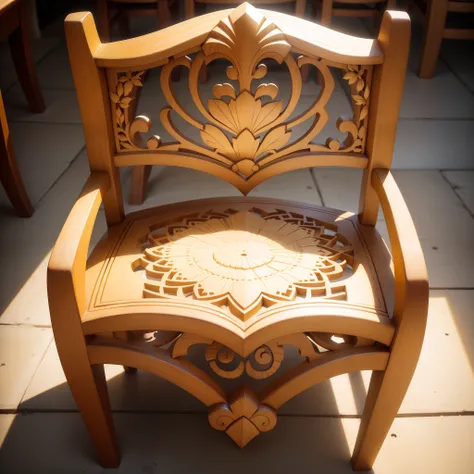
245, 265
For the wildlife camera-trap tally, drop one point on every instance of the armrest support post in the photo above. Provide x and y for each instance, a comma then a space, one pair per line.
411, 278
67, 265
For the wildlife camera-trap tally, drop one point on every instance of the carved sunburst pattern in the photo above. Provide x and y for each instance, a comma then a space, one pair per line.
246, 260
244, 127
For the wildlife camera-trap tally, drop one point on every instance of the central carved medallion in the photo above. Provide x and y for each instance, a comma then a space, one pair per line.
245, 260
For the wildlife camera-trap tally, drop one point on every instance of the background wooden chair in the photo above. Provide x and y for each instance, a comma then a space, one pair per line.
15, 23
190, 5
10, 175
128, 8
435, 13
355, 8
245, 276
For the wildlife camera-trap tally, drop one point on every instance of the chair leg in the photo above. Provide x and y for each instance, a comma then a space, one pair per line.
300, 8
386, 393
10, 175
189, 9
435, 20
20, 48
103, 20
140, 175
124, 24
89, 388
326, 12
164, 14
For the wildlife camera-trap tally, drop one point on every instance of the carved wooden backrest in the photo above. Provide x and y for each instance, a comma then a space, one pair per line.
244, 132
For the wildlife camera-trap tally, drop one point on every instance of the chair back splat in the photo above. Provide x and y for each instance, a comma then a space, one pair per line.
243, 132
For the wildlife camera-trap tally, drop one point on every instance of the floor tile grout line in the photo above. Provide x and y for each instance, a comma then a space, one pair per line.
38, 203
315, 182
453, 72
456, 194
437, 119
36, 368
43, 122
33, 411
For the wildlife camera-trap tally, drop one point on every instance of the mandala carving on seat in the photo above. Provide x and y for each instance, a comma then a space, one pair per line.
246, 260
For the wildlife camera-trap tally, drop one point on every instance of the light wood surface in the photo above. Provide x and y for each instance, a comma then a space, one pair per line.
245, 278
15, 24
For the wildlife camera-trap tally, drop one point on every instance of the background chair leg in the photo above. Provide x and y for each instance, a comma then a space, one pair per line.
300, 8
189, 9
435, 20
20, 48
10, 175
123, 21
140, 175
164, 14
103, 20
326, 12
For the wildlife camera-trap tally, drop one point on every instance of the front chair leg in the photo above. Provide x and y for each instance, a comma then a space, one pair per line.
385, 395
89, 388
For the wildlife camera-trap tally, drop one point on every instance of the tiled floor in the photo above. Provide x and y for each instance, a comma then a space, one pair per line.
161, 428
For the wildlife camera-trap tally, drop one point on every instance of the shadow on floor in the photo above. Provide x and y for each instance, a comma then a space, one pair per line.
157, 442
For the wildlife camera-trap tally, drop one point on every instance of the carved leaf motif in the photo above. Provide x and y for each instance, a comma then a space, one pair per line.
245, 37
275, 139
351, 77
359, 100
215, 138
128, 87
245, 145
244, 112
270, 90
268, 114
363, 113
223, 90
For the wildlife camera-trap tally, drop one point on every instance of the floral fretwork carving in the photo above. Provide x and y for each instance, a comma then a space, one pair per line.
246, 260
246, 126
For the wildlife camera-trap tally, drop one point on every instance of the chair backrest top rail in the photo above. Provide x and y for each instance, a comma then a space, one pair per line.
307, 37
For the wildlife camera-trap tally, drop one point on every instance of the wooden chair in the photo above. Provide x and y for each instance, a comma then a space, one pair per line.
356, 8
127, 9
15, 23
244, 277
436, 28
10, 175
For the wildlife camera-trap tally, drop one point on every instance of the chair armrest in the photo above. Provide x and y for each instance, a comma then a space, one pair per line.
67, 265
411, 278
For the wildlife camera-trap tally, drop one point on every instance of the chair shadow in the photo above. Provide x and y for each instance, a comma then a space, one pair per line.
163, 429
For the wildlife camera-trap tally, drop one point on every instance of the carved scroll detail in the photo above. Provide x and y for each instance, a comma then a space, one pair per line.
246, 128
246, 260
266, 360
243, 418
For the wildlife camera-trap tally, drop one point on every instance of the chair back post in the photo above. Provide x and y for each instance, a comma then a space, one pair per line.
92, 92
386, 94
